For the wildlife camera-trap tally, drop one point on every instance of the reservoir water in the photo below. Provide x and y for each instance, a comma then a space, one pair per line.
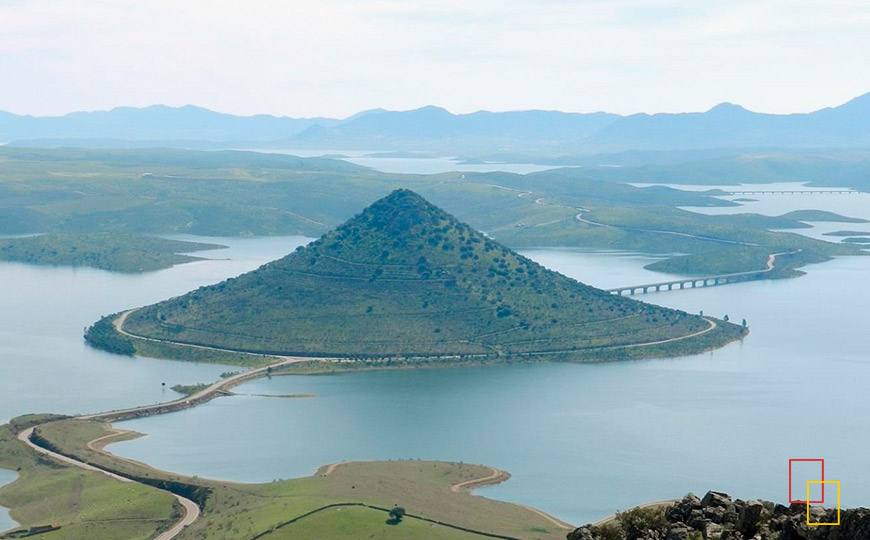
6, 521
47, 367
580, 440
409, 164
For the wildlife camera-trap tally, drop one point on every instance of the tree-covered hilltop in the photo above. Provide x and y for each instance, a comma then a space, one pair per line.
405, 279
107, 251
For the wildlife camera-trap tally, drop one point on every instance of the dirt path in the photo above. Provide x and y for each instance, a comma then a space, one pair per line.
579, 217
497, 476
191, 509
119, 326
330, 468
93, 445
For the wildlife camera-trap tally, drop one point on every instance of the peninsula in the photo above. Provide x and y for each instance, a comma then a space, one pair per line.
117, 252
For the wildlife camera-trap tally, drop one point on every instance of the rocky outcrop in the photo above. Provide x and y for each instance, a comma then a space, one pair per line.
717, 517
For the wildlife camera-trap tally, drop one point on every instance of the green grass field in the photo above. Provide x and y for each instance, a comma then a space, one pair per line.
244, 511
242, 194
87, 505
354, 523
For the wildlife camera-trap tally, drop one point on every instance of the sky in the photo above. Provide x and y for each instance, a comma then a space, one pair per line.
338, 57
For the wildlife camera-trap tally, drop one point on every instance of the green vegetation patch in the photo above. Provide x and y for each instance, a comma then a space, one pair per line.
354, 522
847, 233
234, 511
159, 191
107, 251
189, 389
404, 279
86, 505
821, 215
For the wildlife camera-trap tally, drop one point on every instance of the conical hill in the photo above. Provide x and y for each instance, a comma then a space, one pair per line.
405, 279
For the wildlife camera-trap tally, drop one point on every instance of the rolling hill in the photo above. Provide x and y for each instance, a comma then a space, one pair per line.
403, 279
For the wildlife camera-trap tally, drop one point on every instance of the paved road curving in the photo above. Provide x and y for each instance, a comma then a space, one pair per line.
212, 391
191, 509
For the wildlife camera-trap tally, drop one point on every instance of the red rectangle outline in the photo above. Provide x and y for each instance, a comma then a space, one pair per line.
789, 482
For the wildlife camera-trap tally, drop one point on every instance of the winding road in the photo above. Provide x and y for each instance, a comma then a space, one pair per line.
190, 508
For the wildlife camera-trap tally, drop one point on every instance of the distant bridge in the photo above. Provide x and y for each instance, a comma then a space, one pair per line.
797, 192
696, 282
690, 283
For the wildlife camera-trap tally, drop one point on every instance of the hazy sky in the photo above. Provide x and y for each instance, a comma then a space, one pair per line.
337, 57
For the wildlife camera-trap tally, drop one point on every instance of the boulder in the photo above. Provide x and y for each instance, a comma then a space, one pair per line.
582, 533
715, 498
716, 514
712, 531
678, 531
749, 517
854, 525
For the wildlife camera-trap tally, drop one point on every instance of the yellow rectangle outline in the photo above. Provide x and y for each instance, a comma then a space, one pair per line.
808, 498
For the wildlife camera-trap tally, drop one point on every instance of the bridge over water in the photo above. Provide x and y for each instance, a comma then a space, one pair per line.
708, 281
690, 283
796, 192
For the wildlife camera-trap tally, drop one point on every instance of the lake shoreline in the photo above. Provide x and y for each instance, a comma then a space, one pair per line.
79, 448
9, 519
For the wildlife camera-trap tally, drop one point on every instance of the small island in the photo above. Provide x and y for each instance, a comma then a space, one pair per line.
847, 233
405, 282
127, 253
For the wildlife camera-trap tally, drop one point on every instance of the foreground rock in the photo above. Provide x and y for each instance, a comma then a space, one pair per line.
718, 517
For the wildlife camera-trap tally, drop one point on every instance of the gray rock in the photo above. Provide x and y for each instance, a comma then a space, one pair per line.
749, 518
582, 533
678, 531
715, 498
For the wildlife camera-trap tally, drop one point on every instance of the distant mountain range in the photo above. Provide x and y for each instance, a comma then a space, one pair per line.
157, 123
434, 129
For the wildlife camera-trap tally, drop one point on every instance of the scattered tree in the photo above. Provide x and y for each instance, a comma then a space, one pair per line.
396, 515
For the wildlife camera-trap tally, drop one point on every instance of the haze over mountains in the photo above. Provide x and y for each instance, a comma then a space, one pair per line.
154, 123
434, 129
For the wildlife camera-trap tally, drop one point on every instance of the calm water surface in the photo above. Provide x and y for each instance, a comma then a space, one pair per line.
6, 522
47, 367
581, 440
410, 165
43, 310
856, 205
